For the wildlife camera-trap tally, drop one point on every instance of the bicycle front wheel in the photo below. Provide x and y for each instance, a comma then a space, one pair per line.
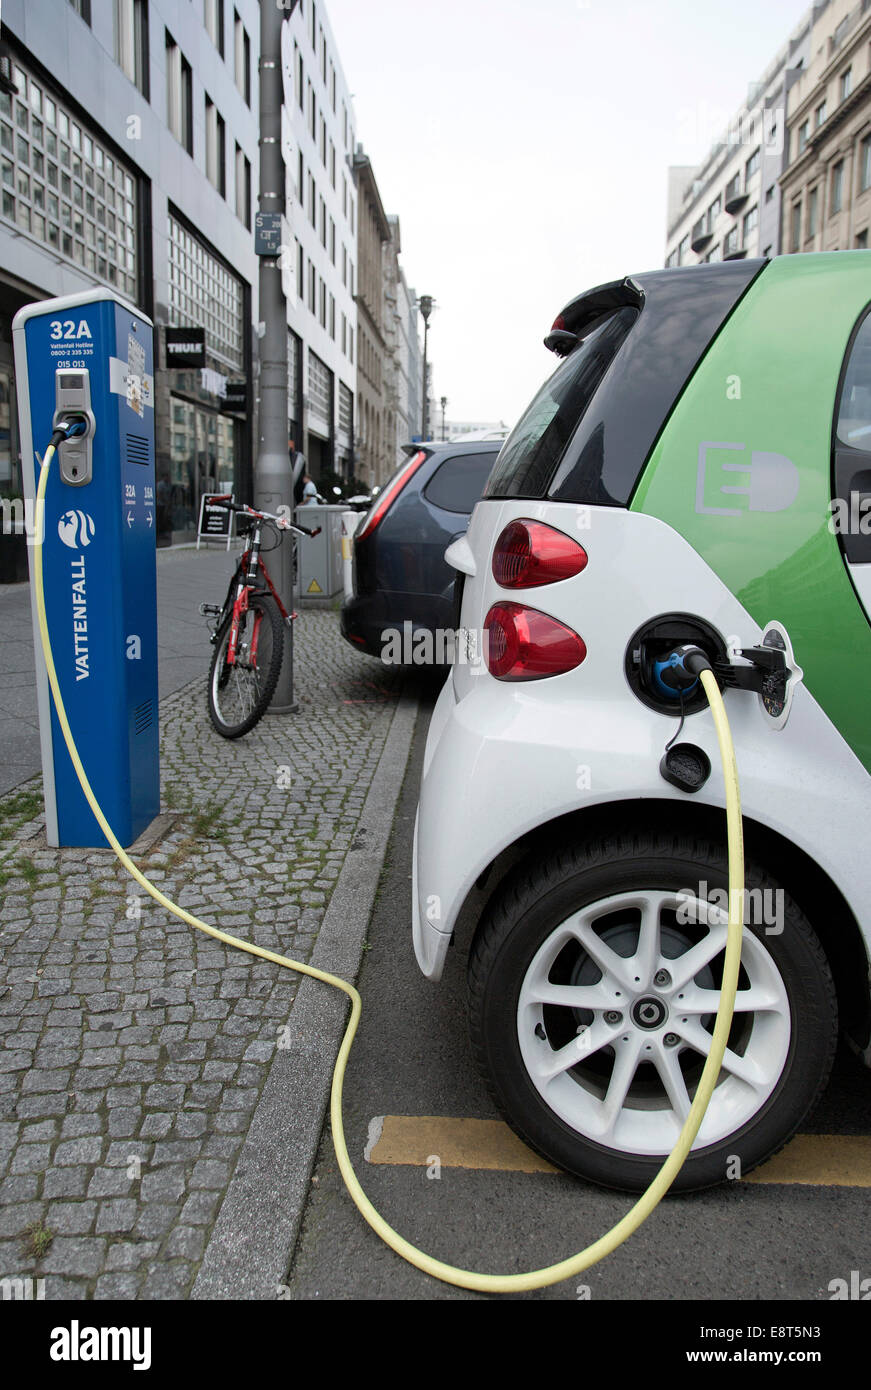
239, 693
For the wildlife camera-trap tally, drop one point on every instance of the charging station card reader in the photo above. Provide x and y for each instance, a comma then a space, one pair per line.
90, 355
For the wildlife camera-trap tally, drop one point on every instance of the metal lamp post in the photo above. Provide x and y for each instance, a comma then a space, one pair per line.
444, 401
273, 485
425, 304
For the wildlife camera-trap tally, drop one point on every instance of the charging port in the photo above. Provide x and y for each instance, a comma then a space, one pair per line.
652, 644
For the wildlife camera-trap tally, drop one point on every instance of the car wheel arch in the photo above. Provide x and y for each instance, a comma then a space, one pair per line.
813, 889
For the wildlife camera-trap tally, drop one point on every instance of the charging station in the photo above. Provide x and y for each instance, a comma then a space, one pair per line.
90, 355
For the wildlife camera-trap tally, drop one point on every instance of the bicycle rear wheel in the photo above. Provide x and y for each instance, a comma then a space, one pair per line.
239, 694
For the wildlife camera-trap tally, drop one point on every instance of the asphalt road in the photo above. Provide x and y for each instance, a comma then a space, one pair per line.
741, 1241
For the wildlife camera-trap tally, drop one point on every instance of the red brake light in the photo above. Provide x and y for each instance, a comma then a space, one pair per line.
528, 554
559, 322
526, 645
390, 494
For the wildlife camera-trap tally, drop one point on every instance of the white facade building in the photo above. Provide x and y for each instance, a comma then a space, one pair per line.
729, 206
318, 134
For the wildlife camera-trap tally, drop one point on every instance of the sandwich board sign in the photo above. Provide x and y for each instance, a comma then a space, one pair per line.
216, 522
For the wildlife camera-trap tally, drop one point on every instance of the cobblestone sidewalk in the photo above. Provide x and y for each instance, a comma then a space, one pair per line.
133, 1050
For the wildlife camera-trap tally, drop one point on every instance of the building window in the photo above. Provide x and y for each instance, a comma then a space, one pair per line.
820, 114
333, 88
312, 287
312, 111
837, 188
733, 187
332, 164
769, 194
713, 214
131, 41
62, 186
300, 178
312, 27
698, 230
332, 318
751, 167
323, 219
683, 250
846, 83
216, 149
203, 293
179, 95
332, 241
731, 242
812, 209
311, 200
345, 266
300, 83
83, 8
323, 143
242, 57
213, 18
323, 314
320, 391
751, 222
865, 175
803, 134
300, 278
795, 230
243, 188
862, 240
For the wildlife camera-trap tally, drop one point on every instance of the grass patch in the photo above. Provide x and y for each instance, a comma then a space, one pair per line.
28, 870
18, 808
37, 1239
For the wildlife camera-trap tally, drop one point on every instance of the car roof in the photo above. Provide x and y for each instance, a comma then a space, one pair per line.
454, 446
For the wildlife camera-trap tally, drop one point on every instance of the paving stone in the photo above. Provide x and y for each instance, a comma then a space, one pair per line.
145, 1038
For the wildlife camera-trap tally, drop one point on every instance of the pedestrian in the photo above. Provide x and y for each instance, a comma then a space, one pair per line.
309, 491
297, 469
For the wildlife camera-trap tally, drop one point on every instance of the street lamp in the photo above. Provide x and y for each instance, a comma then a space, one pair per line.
444, 402
425, 304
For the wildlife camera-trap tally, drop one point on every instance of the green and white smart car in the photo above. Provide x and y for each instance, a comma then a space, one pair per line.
697, 469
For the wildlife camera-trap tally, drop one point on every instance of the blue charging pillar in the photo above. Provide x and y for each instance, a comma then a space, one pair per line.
94, 352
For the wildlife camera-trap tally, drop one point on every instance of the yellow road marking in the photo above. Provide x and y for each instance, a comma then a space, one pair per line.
820, 1160
816, 1160
419, 1139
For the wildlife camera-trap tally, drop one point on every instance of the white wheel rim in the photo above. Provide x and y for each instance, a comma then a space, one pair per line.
589, 1074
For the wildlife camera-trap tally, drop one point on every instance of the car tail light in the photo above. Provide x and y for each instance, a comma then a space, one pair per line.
390, 494
525, 645
528, 554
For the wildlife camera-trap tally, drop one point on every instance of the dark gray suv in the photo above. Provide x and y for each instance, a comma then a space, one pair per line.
400, 572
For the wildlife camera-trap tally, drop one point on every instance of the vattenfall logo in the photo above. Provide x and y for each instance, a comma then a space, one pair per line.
76, 529
77, 1343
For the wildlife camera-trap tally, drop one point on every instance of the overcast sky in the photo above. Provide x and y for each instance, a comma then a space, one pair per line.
525, 148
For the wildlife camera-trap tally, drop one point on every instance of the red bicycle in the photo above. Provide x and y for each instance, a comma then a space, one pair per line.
248, 635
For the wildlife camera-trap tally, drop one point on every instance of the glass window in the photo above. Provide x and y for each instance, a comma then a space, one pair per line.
459, 481
803, 134
531, 454
820, 114
751, 167
202, 292
812, 209
837, 188
796, 226
846, 83
865, 177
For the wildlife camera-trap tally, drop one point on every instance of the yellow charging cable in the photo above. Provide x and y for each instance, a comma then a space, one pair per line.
449, 1274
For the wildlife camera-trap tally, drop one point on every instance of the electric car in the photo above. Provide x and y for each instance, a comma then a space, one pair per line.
697, 471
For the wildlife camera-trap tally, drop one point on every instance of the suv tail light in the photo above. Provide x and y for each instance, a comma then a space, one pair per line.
529, 553
526, 645
390, 494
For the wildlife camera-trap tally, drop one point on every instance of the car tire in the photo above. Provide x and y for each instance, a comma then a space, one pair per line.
638, 903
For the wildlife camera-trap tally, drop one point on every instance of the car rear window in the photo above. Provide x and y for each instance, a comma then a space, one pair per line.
538, 441
593, 448
459, 481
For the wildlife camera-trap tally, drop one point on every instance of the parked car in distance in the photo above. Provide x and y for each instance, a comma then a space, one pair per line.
400, 572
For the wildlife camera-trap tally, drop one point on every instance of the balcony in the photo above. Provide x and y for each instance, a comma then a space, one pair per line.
735, 202
739, 255
702, 241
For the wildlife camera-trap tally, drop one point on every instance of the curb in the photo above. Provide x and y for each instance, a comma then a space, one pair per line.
252, 1242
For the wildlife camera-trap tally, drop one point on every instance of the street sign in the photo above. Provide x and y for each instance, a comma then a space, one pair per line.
185, 347
236, 396
216, 522
267, 233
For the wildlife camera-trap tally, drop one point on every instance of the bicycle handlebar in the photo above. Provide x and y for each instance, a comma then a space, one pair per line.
226, 500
